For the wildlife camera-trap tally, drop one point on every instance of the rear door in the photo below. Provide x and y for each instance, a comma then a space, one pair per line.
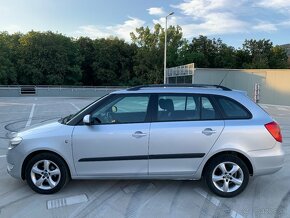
185, 127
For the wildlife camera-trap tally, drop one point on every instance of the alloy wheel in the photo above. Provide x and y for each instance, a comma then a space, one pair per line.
227, 177
45, 174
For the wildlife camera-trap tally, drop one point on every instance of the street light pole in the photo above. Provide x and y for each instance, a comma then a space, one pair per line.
165, 47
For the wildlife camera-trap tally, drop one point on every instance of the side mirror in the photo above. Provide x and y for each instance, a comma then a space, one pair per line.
87, 119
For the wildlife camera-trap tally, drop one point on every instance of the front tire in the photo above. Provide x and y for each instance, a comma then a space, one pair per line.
46, 173
226, 175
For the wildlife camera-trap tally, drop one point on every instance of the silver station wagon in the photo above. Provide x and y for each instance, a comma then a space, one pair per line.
153, 132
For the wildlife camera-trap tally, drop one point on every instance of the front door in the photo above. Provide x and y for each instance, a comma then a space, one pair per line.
116, 144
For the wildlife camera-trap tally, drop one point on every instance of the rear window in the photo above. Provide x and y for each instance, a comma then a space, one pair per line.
233, 109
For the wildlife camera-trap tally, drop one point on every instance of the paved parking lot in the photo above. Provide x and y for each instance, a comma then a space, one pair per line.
266, 196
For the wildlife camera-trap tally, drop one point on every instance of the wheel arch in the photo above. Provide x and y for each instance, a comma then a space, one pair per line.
234, 153
32, 154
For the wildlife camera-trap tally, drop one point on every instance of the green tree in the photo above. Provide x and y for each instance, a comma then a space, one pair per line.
54, 59
112, 63
174, 44
7, 51
264, 55
148, 61
259, 51
225, 56
242, 58
48, 58
205, 52
87, 52
279, 58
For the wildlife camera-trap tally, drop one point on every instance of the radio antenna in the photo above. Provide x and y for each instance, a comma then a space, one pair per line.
224, 78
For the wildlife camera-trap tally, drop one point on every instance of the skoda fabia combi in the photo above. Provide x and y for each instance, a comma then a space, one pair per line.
153, 132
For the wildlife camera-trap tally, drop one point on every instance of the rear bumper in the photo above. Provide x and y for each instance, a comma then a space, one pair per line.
267, 161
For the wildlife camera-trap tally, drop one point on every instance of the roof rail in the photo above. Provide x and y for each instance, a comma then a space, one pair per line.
135, 88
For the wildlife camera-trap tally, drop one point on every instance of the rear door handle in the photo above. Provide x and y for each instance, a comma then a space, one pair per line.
139, 134
208, 131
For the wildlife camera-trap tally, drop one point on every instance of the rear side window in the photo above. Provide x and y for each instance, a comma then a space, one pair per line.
207, 110
185, 108
178, 107
233, 109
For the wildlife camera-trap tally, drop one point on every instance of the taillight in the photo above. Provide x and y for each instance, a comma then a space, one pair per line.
274, 130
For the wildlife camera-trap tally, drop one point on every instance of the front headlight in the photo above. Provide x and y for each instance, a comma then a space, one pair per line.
14, 142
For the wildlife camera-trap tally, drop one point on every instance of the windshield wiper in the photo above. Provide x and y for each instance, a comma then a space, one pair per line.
66, 119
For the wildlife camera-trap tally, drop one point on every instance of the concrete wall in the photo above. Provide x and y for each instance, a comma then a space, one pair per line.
9, 91
274, 83
59, 91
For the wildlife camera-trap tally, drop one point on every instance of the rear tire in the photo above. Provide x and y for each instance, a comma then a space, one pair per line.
46, 173
226, 175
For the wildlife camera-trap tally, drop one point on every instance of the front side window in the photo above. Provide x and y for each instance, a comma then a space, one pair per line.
185, 107
122, 109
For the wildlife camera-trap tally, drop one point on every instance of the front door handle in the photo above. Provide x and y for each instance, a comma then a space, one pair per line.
208, 131
139, 134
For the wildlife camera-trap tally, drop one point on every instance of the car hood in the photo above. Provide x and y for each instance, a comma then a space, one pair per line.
45, 128
42, 123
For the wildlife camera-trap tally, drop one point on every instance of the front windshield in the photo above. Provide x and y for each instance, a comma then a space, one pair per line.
68, 118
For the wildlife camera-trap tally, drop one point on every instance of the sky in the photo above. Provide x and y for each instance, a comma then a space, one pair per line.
231, 20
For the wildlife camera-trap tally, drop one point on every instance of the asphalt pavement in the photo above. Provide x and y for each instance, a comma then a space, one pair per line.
265, 196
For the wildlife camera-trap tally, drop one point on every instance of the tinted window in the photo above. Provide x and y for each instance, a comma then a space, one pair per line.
233, 109
184, 107
132, 104
123, 109
207, 109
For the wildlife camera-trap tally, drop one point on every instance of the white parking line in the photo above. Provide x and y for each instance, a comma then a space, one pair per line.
275, 106
264, 106
76, 107
61, 202
282, 109
2, 156
204, 194
11, 104
30, 116
216, 202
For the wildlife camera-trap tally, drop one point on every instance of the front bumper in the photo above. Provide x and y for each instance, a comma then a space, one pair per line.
267, 161
15, 159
